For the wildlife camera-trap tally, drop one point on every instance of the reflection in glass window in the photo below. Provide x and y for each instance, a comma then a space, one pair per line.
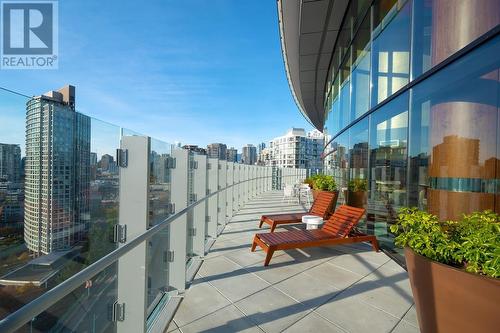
454, 130
340, 161
440, 28
391, 49
345, 92
361, 70
388, 155
358, 163
334, 117
358, 150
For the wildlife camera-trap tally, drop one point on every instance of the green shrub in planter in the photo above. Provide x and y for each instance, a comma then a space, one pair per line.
472, 243
358, 185
324, 183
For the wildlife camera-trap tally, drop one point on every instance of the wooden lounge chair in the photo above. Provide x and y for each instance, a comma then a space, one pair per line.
322, 206
337, 230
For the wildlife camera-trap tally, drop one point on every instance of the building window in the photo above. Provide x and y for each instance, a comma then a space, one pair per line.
388, 159
391, 48
454, 157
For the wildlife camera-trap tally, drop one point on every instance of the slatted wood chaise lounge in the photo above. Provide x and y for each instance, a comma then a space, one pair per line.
322, 206
338, 229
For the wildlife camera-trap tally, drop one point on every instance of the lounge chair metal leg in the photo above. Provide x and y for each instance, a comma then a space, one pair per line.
269, 255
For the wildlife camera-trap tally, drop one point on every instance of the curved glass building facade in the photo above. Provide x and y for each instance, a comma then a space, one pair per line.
411, 107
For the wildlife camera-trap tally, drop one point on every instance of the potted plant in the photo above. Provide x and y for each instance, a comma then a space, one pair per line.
309, 181
454, 269
356, 195
323, 183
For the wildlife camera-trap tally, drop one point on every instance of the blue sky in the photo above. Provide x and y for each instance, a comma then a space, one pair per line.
195, 71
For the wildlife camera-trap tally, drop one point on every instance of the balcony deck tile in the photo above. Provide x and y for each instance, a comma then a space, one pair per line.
227, 276
226, 320
355, 263
203, 300
272, 310
313, 323
311, 290
405, 327
411, 316
350, 313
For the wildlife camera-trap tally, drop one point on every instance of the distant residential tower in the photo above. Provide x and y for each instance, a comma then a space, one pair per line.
57, 172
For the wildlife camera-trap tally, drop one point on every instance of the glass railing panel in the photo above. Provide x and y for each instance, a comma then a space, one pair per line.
221, 221
161, 163
212, 203
89, 308
230, 189
190, 200
196, 245
236, 189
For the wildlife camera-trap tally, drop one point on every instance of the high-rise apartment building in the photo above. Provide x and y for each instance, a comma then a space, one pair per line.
93, 159
297, 149
232, 154
11, 185
10, 162
249, 154
195, 149
57, 172
264, 157
260, 147
217, 150
106, 162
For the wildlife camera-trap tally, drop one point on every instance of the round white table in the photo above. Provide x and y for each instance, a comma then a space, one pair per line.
312, 221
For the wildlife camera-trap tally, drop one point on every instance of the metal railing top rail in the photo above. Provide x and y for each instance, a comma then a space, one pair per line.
30, 310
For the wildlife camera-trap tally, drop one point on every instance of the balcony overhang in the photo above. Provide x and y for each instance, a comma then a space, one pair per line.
308, 32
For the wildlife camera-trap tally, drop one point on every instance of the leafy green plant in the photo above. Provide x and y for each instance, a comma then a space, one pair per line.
324, 183
358, 185
472, 243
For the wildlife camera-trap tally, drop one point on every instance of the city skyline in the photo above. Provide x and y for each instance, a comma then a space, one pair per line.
102, 131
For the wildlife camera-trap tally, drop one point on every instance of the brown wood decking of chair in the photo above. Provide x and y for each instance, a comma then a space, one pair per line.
337, 230
322, 207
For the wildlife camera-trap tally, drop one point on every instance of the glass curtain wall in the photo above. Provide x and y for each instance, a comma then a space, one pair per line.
435, 146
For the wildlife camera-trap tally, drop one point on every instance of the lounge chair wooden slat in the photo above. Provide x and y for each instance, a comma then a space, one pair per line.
338, 229
323, 206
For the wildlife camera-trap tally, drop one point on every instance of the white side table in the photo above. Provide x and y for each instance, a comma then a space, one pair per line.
312, 221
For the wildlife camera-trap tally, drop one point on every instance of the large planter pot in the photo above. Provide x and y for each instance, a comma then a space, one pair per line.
316, 192
448, 299
357, 199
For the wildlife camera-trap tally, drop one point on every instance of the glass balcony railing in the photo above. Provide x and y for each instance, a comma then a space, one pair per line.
101, 227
